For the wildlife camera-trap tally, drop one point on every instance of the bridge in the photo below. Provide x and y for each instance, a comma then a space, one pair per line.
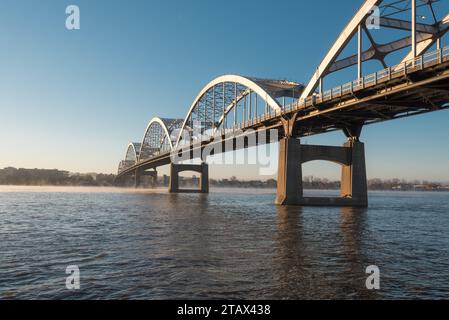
232, 108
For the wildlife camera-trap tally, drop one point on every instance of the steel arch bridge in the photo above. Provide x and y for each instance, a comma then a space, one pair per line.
413, 78
232, 100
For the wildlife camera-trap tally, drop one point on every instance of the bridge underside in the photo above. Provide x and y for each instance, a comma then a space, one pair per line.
229, 107
408, 95
379, 105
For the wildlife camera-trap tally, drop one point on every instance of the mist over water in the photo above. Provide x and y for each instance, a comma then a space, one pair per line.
229, 244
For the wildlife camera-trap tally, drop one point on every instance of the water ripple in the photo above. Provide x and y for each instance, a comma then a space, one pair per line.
229, 244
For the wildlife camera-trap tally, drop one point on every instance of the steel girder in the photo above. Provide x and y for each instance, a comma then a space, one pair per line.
426, 36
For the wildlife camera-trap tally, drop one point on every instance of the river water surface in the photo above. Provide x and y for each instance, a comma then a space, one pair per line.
230, 244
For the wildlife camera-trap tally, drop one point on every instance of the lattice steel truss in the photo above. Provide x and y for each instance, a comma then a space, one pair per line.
233, 102
159, 137
230, 101
384, 15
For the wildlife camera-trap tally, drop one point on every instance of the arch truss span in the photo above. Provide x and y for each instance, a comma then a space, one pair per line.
231, 101
160, 136
131, 156
411, 25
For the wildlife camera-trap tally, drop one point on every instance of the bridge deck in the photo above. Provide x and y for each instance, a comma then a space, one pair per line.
417, 86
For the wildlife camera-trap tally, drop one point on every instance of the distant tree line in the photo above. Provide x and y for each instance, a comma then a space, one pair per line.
233, 182
314, 183
43, 177
404, 185
40, 177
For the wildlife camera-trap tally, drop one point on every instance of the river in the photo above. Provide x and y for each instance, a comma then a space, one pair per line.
230, 244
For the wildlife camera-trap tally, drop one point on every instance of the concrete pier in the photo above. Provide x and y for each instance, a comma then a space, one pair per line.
353, 178
202, 169
137, 176
289, 184
142, 173
153, 178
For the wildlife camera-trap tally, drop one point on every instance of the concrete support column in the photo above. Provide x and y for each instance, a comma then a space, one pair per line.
154, 179
353, 177
204, 180
289, 184
173, 185
137, 176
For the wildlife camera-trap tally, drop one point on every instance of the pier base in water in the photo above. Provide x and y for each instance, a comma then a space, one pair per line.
353, 177
141, 173
202, 169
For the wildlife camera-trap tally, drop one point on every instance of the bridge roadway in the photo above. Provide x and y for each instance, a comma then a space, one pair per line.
419, 88
226, 111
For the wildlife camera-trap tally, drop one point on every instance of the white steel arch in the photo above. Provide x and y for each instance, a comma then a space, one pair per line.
268, 90
159, 135
132, 152
131, 156
385, 14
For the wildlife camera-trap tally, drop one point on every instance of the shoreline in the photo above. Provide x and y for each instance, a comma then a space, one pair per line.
164, 188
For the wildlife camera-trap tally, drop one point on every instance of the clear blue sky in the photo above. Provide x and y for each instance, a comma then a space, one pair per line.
74, 99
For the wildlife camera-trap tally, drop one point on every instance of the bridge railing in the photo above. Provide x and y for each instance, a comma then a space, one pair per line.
419, 63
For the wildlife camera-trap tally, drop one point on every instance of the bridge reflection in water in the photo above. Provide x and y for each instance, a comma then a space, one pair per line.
263, 111
305, 266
